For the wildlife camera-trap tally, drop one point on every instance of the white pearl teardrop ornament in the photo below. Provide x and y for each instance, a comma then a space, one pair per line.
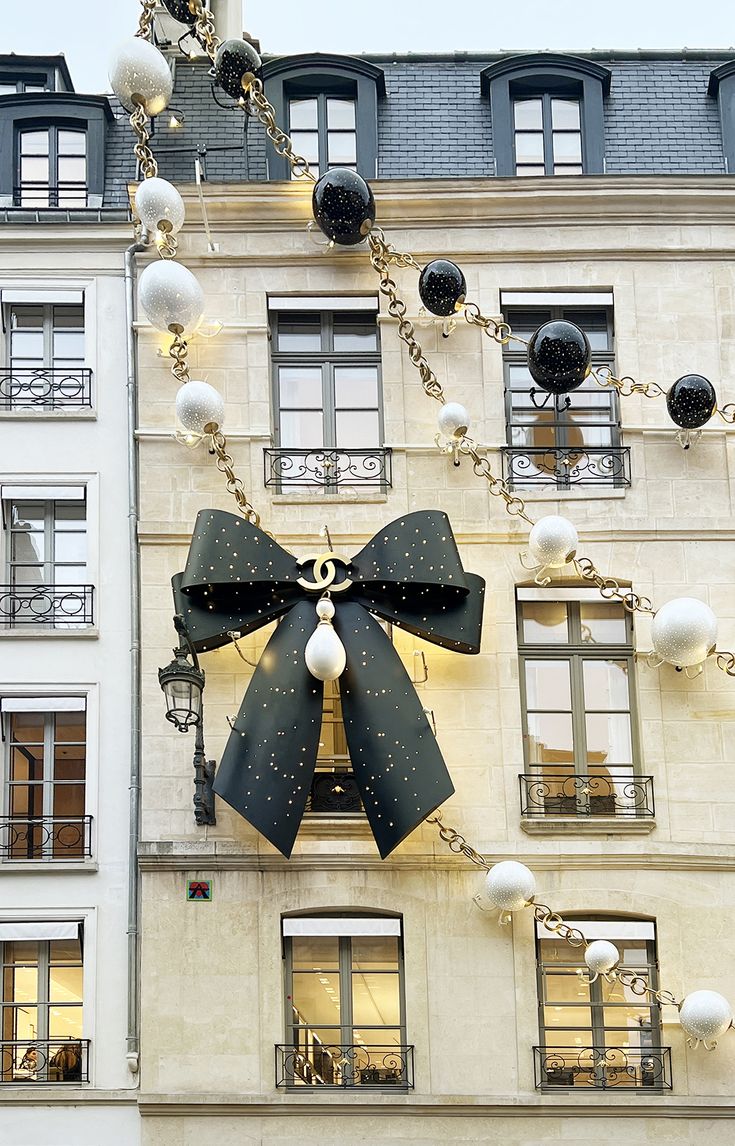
325, 654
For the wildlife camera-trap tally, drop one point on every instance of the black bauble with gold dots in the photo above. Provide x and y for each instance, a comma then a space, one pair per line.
180, 10
442, 287
235, 60
343, 206
691, 401
559, 356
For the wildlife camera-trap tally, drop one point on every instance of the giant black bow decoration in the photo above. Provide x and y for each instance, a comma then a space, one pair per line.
238, 579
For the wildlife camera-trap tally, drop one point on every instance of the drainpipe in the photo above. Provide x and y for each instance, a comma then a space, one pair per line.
133, 1041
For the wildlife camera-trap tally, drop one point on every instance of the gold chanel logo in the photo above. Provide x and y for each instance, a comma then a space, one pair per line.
324, 573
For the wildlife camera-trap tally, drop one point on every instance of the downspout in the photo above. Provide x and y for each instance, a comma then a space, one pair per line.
133, 1040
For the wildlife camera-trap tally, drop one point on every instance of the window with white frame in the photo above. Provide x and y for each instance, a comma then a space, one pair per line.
41, 999
323, 129
327, 394
580, 727
45, 356
45, 541
44, 790
599, 1034
345, 1007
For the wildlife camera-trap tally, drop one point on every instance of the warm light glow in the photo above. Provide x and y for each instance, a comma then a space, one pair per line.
176, 119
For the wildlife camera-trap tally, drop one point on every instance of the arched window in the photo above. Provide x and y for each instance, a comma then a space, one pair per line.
328, 105
547, 114
599, 1034
345, 1002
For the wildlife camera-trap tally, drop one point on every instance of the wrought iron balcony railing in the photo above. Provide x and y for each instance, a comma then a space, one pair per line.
328, 1064
334, 792
567, 466
45, 838
603, 1067
44, 1060
45, 388
555, 790
49, 606
328, 468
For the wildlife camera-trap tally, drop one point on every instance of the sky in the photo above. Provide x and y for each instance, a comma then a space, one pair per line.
87, 30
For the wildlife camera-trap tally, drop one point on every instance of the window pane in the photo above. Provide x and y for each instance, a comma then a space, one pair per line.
565, 113
300, 386
529, 147
566, 986
69, 317
603, 624
34, 169
550, 739
527, 113
65, 984
302, 429
357, 429
70, 515
302, 332
606, 684
8, 89
375, 953
376, 999
315, 952
544, 622
354, 332
72, 143
26, 763
65, 1022
303, 114
608, 738
570, 170
567, 1017
341, 114
68, 346
316, 998
530, 170
342, 147
27, 727
567, 147
34, 143
355, 387
548, 685
306, 144
72, 169
26, 346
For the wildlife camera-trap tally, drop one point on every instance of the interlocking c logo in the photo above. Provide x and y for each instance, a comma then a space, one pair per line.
324, 573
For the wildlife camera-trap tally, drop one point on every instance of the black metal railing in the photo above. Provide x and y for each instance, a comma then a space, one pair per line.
332, 1065
602, 1067
50, 606
36, 193
45, 388
44, 1060
567, 466
334, 792
45, 837
328, 468
558, 791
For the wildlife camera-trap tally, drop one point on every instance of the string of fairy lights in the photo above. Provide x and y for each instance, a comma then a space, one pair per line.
684, 631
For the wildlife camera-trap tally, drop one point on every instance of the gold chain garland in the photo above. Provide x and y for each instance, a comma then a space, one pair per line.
204, 27
551, 920
265, 113
139, 122
179, 351
145, 20
234, 485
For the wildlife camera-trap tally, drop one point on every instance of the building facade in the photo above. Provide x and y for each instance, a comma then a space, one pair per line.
65, 623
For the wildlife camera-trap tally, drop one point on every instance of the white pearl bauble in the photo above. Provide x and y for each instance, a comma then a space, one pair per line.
159, 206
553, 542
453, 420
325, 609
705, 1015
510, 885
684, 632
170, 296
200, 408
325, 654
601, 956
140, 76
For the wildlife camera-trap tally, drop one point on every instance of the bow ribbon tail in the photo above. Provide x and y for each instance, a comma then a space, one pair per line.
396, 760
267, 767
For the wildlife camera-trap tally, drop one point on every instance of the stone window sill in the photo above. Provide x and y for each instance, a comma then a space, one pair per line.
576, 826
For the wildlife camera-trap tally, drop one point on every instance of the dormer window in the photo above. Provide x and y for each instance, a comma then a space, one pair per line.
52, 167
547, 114
329, 106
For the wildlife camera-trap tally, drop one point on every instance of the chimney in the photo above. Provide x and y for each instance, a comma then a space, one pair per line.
228, 18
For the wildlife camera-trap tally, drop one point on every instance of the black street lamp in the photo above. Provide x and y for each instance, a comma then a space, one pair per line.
182, 683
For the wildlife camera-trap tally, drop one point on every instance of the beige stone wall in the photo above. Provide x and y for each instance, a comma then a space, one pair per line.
212, 1006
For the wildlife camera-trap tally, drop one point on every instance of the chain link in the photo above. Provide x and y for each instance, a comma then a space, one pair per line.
553, 922
179, 350
727, 413
625, 386
498, 487
380, 260
204, 27
611, 590
726, 662
146, 160
234, 485
166, 244
265, 113
457, 843
145, 20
